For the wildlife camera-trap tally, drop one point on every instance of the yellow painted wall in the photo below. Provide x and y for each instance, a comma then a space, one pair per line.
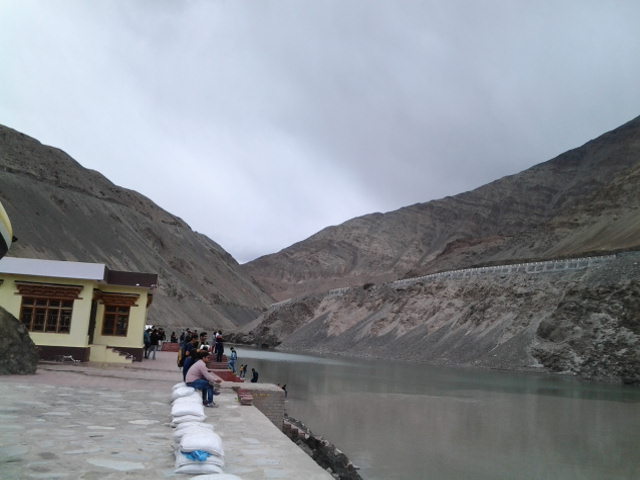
78, 336
137, 320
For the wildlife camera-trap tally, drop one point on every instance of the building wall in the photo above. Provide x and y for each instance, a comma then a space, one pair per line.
78, 335
76, 342
137, 320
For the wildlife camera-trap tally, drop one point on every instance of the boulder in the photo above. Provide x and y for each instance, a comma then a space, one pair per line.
18, 353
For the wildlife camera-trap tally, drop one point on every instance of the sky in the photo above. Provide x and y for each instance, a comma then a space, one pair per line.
261, 122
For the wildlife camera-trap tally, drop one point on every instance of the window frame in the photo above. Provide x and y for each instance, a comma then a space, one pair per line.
121, 313
116, 313
39, 308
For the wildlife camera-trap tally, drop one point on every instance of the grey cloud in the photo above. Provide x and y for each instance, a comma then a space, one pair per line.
264, 122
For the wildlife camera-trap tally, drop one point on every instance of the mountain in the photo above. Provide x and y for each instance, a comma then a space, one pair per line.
370, 286
584, 200
575, 316
63, 211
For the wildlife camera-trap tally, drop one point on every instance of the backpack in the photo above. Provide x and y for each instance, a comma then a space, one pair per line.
181, 357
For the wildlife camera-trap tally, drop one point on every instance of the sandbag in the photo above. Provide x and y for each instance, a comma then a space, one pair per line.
186, 465
199, 439
187, 418
193, 427
218, 476
186, 425
195, 397
182, 392
187, 408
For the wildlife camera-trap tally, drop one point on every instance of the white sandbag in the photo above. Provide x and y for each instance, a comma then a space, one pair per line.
188, 418
216, 476
182, 392
196, 398
194, 427
187, 408
212, 464
198, 439
178, 385
186, 425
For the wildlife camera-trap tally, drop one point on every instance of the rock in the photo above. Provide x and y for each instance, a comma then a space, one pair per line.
18, 353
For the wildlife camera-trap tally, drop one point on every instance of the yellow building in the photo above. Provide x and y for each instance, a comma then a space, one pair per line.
84, 310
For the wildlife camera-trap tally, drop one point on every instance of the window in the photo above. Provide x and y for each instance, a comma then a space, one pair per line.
116, 320
117, 307
51, 315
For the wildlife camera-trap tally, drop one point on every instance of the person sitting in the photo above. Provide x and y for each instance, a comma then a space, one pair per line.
200, 378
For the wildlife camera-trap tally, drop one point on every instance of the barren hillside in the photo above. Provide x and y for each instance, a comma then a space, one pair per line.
584, 200
63, 211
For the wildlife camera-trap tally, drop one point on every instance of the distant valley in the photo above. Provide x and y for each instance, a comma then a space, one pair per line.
338, 292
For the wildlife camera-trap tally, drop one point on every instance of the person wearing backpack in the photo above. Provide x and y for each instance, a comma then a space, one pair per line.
190, 351
147, 342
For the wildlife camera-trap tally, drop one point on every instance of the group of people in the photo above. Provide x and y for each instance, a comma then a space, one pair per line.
195, 349
153, 338
242, 372
192, 357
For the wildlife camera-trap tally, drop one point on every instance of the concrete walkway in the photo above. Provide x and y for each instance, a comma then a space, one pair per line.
96, 422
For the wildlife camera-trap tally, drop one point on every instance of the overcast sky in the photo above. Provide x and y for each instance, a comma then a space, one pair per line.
261, 122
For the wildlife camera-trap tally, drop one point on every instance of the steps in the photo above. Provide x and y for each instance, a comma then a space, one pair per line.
104, 354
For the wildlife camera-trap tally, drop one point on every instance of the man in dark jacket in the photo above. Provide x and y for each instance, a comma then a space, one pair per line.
219, 348
155, 339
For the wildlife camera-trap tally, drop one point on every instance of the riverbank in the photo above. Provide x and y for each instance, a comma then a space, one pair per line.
93, 421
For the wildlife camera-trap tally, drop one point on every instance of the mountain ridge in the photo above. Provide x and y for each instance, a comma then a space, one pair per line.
63, 211
457, 230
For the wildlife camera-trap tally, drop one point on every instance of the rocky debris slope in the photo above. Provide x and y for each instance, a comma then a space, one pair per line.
582, 321
18, 353
584, 200
63, 211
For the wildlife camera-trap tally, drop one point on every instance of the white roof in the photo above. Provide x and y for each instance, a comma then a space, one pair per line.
52, 268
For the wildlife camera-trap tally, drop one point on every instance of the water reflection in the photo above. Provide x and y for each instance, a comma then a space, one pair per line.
402, 420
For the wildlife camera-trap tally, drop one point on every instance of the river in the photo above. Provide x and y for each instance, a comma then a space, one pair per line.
409, 421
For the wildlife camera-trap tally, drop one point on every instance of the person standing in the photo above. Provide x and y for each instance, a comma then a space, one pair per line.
155, 339
162, 337
203, 339
190, 356
147, 342
219, 348
254, 376
233, 357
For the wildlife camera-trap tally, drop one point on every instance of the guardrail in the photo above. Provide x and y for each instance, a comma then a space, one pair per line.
548, 266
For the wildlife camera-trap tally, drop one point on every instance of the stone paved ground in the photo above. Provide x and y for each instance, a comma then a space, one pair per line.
87, 422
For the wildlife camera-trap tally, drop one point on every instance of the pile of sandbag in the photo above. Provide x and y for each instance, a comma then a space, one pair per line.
198, 448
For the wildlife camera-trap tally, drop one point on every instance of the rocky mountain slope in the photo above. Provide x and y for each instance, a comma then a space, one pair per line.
584, 200
63, 211
583, 321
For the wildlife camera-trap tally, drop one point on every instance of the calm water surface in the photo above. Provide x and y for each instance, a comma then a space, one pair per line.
407, 421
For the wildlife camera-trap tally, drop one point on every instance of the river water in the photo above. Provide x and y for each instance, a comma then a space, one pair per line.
409, 421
